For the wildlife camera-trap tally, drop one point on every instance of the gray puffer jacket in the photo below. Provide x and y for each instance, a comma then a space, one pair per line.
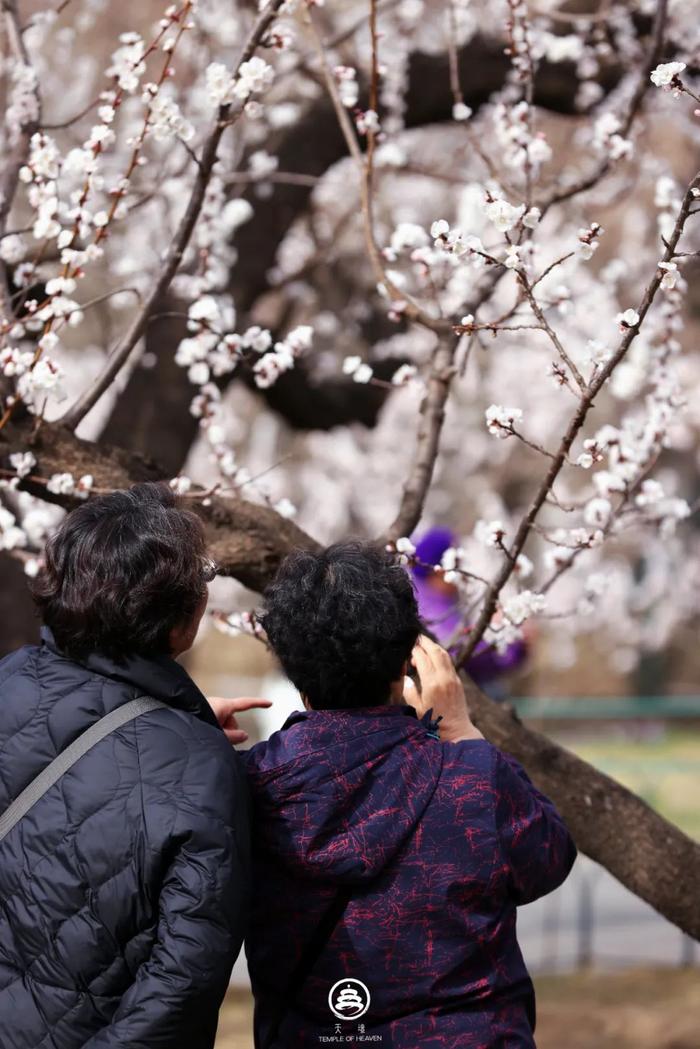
123, 890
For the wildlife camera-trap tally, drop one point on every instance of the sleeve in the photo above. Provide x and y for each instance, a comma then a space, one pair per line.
536, 845
175, 998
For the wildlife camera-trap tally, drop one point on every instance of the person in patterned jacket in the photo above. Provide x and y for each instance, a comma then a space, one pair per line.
390, 851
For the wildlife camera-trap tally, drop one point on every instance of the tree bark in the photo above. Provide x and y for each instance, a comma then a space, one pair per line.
18, 618
247, 540
613, 826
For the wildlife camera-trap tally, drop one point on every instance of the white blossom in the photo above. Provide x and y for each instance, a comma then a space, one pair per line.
666, 72
490, 533
220, 84
357, 368
523, 566
181, 484
598, 353
597, 512
532, 217
512, 257
235, 213
461, 112
61, 484
522, 606
408, 235
285, 508
168, 122
127, 62
671, 274
22, 463
44, 377
11, 535
500, 421
12, 249
367, 121
404, 374
606, 137
32, 567
348, 86
629, 319
23, 103
254, 76
502, 214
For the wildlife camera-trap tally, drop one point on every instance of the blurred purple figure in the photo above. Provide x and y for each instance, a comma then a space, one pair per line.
438, 603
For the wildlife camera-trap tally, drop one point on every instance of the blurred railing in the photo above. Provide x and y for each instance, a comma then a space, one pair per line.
592, 920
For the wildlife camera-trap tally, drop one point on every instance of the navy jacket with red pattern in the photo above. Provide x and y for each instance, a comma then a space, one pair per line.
438, 843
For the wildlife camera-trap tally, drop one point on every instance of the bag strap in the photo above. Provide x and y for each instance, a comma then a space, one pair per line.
310, 955
68, 757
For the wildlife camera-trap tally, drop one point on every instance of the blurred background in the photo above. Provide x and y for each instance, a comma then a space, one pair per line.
613, 670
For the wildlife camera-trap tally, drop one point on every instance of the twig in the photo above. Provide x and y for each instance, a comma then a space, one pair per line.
208, 158
18, 155
288, 178
409, 308
72, 120
655, 51
546, 326
552, 266
575, 425
432, 414
340, 37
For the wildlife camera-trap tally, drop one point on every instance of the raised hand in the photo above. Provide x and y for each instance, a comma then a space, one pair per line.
441, 690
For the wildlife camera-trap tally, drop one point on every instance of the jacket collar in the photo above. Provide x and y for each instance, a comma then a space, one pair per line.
348, 714
158, 676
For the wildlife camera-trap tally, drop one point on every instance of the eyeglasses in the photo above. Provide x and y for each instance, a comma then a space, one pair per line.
210, 569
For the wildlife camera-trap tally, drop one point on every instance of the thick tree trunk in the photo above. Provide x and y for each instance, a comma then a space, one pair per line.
613, 826
645, 852
19, 624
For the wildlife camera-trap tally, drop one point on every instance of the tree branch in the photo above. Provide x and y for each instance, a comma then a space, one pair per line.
18, 156
577, 421
432, 415
613, 826
247, 540
310, 148
409, 308
549, 330
177, 248
610, 824
635, 105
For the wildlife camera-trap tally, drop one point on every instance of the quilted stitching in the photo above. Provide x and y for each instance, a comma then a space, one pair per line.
79, 913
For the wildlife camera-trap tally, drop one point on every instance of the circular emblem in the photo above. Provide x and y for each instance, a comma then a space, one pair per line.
349, 999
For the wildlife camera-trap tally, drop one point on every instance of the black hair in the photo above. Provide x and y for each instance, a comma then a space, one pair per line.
121, 571
343, 623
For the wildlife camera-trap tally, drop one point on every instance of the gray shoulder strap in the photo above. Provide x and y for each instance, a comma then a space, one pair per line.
68, 757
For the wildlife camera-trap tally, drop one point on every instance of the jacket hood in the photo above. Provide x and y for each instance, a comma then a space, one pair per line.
337, 793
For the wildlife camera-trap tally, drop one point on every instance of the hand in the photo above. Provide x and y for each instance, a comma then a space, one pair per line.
226, 710
441, 690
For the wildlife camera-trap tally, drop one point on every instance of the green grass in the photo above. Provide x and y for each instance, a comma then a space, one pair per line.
664, 770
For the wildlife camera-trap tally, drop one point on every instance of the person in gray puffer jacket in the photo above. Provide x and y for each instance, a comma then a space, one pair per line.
123, 890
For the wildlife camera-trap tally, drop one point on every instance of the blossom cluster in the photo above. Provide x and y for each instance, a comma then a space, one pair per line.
477, 220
